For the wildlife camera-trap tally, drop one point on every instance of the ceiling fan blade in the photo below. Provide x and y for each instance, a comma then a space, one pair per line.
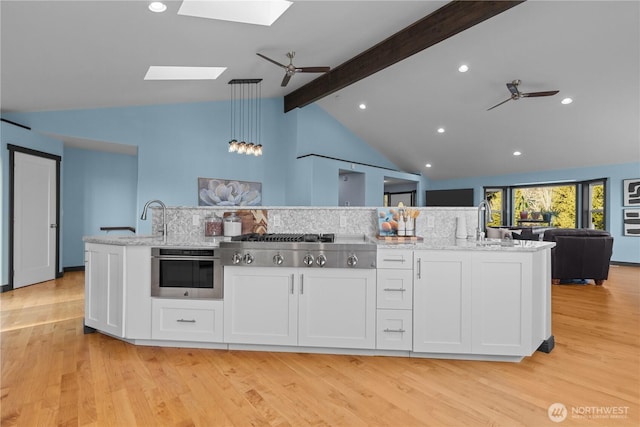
534, 94
271, 60
286, 79
497, 105
313, 69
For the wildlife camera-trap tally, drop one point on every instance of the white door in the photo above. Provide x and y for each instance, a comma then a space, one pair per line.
34, 244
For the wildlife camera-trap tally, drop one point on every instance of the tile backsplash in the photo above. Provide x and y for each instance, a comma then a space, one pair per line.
431, 223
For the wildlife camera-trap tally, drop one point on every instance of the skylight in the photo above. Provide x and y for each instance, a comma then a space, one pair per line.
158, 72
259, 12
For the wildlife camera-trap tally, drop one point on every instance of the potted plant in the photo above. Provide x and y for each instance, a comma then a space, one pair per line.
522, 205
548, 214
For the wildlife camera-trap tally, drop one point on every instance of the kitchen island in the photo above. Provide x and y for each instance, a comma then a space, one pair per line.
441, 298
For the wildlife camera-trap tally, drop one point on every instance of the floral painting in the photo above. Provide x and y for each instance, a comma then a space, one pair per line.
222, 192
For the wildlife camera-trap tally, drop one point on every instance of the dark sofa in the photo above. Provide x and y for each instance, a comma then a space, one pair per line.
580, 253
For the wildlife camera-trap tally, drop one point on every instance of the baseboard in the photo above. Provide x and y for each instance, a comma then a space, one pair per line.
625, 264
5, 288
77, 268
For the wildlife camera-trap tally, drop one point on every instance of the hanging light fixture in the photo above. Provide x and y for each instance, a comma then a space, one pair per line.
246, 112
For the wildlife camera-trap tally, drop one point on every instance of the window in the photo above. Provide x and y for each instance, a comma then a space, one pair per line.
553, 205
593, 204
497, 200
568, 205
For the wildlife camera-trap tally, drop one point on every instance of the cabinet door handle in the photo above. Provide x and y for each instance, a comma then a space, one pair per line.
395, 330
395, 289
419, 267
291, 287
393, 259
186, 320
301, 284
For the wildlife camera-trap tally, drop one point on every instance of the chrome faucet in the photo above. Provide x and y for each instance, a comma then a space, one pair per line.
484, 205
164, 215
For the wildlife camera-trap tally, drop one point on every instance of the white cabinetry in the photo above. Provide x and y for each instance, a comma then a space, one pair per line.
306, 307
502, 304
394, 300
137, 288
187, 320
260, 305
442, 302
477, 303
104, 288
117, 290
337, 308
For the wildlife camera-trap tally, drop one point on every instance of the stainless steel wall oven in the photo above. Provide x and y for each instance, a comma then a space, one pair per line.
186, 273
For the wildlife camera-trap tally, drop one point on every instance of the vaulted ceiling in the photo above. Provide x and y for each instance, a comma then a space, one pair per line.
58, 55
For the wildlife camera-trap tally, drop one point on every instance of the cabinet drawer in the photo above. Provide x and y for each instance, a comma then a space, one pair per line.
395, 258
394, 330
395, 289
186, 320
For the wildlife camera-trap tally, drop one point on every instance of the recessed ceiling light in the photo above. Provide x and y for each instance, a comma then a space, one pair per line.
463, 68
264, 12
362, 106
157, 6
428, 165
517, 153
567, 101
158, 72
440, 130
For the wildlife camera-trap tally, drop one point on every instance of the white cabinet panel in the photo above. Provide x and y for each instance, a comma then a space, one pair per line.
394, 330
260, 306
187, 320
395, 258
337, 308
442, 302
395, 289
502, 304
137, 315
306, 307
104, 281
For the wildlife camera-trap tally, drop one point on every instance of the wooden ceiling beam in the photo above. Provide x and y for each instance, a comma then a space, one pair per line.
449, 20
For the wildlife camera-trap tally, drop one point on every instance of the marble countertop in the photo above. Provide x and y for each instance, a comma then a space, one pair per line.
470, 244
178, 240
427, 244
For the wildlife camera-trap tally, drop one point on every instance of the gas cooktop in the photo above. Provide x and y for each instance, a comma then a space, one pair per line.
297, 250
284, 237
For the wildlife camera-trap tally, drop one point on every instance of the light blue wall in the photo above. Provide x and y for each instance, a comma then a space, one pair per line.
15, 135
100, 191
180, 142
625, 248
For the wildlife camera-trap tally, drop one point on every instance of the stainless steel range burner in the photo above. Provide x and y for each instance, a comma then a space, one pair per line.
297, 250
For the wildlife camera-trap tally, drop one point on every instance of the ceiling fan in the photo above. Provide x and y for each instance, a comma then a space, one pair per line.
292, 69
516, 94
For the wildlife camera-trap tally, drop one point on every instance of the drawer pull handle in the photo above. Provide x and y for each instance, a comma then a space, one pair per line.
395, 289
393, 259
395, 330
186, 320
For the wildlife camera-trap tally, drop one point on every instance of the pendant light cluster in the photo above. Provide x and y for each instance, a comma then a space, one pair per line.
246, 111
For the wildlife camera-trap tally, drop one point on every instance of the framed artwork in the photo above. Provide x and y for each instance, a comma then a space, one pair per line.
631, 222
223, 192
631, 192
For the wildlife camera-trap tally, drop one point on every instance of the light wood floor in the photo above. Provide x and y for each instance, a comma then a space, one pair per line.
52, 374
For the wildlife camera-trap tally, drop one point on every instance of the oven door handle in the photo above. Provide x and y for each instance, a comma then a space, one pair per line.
178, 258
